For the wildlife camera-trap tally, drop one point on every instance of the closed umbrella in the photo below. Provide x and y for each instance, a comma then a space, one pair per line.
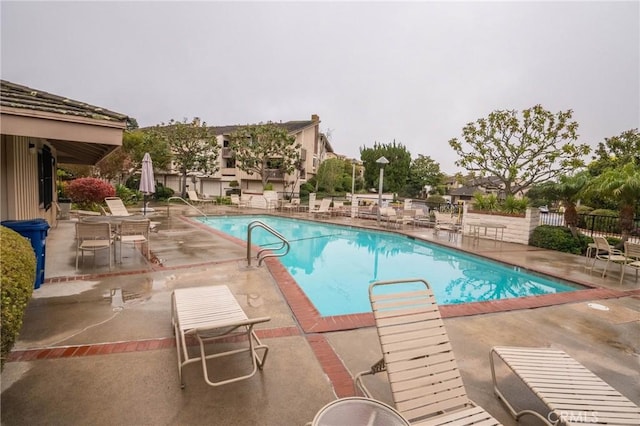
147, 181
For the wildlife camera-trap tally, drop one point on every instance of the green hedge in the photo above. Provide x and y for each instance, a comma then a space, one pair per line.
17, 275
559, 238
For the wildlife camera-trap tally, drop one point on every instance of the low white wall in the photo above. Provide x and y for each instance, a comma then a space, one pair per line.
518, 229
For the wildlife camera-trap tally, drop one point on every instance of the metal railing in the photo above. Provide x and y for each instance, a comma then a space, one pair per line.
590, 224
186, 202
270, 252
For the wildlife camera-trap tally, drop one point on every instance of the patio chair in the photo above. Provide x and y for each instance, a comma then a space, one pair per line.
134, 231
573, 394
632, 254
605, 252
209, 314
425, 382
193, 197
116, 206
93, 237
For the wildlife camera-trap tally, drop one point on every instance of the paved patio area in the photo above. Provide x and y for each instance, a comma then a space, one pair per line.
97, 345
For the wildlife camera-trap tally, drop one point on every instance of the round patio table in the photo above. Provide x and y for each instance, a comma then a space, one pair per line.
358, 411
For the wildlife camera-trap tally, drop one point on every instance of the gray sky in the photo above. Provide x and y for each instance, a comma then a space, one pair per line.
415, 72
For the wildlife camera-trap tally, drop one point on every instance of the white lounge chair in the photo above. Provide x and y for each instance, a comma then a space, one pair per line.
116, 206
193, 197
573, 393
292, 205
425, 382
209, 314
324, 209
391, 217
238, 201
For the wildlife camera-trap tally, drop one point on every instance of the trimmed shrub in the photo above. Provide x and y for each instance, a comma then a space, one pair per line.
127, 195
558, 238
18, 273
86, 193
163, 193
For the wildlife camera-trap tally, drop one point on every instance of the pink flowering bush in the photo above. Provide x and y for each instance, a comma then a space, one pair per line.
87, 192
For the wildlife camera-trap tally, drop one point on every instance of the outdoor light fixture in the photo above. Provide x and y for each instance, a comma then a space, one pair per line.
383, 162
32, 149
353, 180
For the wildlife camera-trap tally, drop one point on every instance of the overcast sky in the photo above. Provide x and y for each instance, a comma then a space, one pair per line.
415, 72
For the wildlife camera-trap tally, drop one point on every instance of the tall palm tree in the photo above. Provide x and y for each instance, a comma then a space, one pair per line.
623, 185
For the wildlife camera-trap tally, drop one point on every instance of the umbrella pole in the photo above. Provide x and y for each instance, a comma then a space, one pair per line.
144, 205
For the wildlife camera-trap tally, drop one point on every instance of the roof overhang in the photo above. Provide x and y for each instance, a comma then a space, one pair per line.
77, 140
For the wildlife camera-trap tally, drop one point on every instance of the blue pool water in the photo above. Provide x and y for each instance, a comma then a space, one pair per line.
334, 265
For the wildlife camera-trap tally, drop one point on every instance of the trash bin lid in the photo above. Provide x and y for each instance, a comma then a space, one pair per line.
29, 224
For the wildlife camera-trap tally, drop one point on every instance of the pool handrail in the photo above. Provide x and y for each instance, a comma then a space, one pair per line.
186, 202
285, 243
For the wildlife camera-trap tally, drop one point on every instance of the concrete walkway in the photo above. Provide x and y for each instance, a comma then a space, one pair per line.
97, 346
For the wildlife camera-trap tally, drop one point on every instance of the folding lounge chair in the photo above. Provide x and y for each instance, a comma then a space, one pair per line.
209, 314
573, 394
193, 196
324, 209
391, 217
116, 206
238, 201
425, 382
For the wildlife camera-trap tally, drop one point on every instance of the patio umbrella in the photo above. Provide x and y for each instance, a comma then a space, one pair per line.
147, 181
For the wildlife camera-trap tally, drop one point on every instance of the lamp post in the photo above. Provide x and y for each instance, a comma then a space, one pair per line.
353, 179
383, 162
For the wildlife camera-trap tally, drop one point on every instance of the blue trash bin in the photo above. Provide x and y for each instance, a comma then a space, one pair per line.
35, 230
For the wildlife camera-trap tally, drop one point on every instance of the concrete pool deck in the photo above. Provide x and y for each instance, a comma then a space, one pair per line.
97, 347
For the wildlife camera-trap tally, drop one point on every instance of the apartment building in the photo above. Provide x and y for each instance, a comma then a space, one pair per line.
315, 148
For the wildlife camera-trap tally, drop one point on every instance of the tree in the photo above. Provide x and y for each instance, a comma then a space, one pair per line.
331, 175
423, 171
115, 166
126, 160
568, 190
265, 148
521, 152
194, 149
137, 143
396, 172
623, 185
132, 123
616, 151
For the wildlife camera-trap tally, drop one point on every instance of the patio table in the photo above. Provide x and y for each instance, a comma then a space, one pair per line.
474, 230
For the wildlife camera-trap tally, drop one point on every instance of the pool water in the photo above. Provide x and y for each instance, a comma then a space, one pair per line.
334, 264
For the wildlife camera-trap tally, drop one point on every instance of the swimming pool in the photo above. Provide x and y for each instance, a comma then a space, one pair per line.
335, 264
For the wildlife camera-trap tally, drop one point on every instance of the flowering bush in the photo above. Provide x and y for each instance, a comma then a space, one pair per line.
86, 192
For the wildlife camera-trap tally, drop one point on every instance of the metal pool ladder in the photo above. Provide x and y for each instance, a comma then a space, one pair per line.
264, 253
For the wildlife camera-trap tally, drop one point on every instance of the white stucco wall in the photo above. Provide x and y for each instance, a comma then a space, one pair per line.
517, 229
